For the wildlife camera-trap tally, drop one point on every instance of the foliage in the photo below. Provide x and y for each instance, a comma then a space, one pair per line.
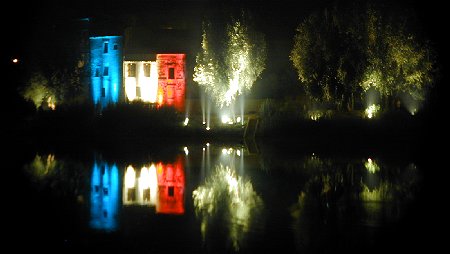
228, 67
344, 52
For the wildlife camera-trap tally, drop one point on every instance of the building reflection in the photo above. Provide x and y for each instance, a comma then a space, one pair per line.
104, 197
159, 185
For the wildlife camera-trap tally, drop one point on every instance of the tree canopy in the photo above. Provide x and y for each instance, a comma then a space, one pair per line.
346, 50
230, 60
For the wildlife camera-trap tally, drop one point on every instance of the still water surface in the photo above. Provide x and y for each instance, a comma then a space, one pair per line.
213, 198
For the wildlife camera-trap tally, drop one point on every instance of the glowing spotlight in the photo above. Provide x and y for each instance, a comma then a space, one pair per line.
203, 149
207, 144
238, 119
186, 121
225, 119
15, 60
204, 122
207, 128
224, 151
186, 151
238, 153
372, 110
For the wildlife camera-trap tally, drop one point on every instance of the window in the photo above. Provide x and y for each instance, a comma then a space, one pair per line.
147, 70
103, 92
131, 70
171, 73
115, 47
138, 91
105, 71
105, 191
105, 47
146, 194
97, 72
171, 191
131, 194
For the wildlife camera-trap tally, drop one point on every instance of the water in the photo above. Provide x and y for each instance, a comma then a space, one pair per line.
215, 198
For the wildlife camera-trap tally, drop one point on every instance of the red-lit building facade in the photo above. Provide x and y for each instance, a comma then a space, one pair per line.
172, 80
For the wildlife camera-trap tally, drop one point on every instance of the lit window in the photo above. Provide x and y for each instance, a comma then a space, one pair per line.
171, 73
105, 71
131, 70
105, 47
147, 70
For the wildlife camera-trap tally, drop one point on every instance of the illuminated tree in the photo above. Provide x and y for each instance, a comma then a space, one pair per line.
398, 62
228, 67
38, 90
342, 53
326, 55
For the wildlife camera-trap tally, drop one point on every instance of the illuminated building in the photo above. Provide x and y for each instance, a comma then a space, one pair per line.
171, 185
104, 197
106, 69
160, 185
171, 80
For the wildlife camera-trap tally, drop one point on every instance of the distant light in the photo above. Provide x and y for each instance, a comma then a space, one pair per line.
372, 110
207, 144
224, 151
238, 119
186, 151
203, 149
186, 121
225, 119
204, 122
207, 128
238, 153
15, 60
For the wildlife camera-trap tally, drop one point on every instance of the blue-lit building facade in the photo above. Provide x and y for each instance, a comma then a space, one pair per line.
105, 197
106, 69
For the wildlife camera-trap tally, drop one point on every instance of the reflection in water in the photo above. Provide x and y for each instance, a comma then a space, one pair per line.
350, 196
161, 186
171, 184
42, 166
335, 203
226, 193
104, 197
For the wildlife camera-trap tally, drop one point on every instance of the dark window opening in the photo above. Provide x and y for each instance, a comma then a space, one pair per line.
105, 47
171, 191
171, 73
97, 72
105, 213
147, 70
103, 92
103, 167
146, 194
115, 47
96, 188
132, 70
105, 191
106, 71
131, 195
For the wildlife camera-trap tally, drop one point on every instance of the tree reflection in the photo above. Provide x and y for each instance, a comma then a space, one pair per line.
341, 202
227, 196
